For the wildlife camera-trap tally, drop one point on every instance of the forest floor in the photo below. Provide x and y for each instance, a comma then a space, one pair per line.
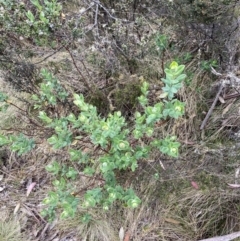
195, 196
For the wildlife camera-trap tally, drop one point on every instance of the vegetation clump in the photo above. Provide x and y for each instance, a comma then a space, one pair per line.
87, 128
113, 145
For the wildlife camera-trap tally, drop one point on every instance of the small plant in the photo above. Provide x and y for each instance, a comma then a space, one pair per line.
50, 91
46, 13
207, 64
19, 144
119, 148
111, 145
173, 81
37, 22
161, 42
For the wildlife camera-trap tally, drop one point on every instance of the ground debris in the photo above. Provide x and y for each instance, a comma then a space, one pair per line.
228, 237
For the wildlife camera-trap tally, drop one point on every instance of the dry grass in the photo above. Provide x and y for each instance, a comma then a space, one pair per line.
171, 208
183, 213
101, 227
10, 228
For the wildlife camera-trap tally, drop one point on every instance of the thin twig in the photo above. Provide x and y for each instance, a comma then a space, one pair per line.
63, 46
228, 237
212, 107
80, 73
96, 16
227, 97
105, 9
79, 16
26, 113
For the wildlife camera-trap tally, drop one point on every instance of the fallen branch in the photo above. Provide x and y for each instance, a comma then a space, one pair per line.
212, 107
231, 96
228, 237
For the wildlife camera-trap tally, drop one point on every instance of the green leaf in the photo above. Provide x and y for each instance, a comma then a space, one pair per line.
36, 4
149, 131
60, 184
162, 42
151, 118
43, 116
3, 97
179, 79
53, 140
53, 168
169, 147
133, 202
92, 197
71, 173
144, 88
62, 139
79, 102
143, 100
134, 166
51, 199
21, 144
35, 97
86, 218
75, 155
173, 65
107, 166
4, 140
30, 16
122, 145
88, 171
170, 90
42, 16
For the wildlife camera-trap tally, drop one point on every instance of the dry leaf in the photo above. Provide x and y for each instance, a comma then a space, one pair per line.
194, 184
171, 220
74, 142
162, 166
220, 98
63, 16
16, 208
2, 188
163, 95
127, 236
30, 188
227, 109
237, 173
188, 142
121, 234
234, 185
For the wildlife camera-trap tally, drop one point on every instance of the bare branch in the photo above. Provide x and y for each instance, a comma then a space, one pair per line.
228, 237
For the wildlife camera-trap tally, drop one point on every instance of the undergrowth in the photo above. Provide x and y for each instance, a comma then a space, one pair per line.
112, 145
99, 170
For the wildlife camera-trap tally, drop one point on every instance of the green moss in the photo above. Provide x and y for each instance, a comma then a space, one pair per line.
125, 98
99, 100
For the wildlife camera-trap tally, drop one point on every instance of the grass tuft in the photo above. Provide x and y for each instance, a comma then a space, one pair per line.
98, 228
10, 229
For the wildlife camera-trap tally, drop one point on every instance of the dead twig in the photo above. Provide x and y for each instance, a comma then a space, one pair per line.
80, 73
228, 237
212, 107
96, 17
231, 96
57, 50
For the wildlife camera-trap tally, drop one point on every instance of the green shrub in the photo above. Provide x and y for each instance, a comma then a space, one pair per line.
204, 11
36, 20
112, 144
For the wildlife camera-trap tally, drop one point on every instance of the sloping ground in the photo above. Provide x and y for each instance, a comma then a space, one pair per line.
189, 199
